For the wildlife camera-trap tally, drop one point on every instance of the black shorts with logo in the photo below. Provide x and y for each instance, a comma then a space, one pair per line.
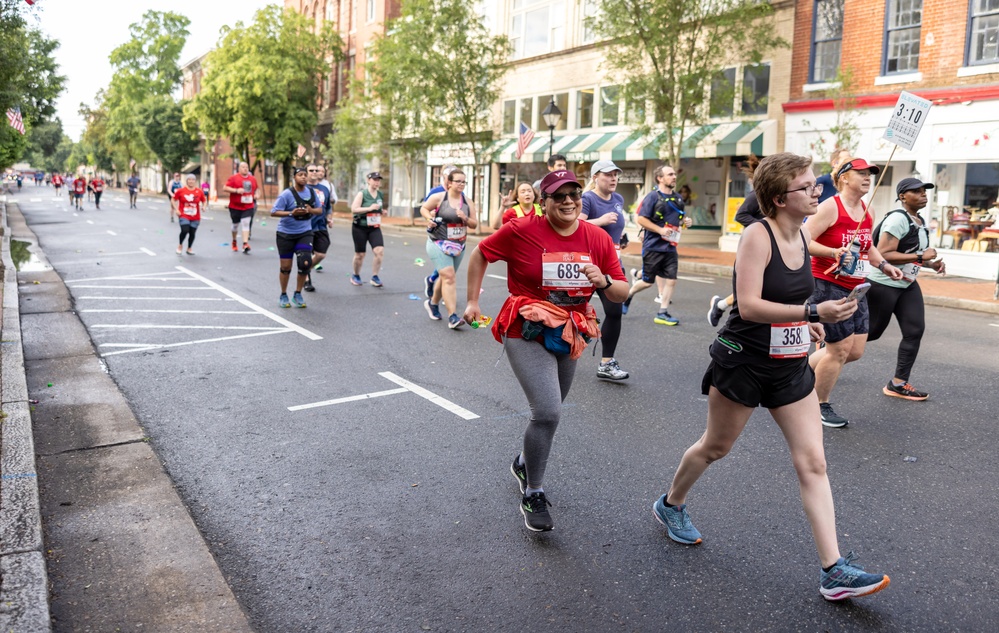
658, 264
754, 385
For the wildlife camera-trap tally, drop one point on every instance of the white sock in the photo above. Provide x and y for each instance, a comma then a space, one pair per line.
530, 491
722, 304
520, 459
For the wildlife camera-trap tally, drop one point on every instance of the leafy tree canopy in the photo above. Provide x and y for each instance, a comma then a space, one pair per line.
164, 133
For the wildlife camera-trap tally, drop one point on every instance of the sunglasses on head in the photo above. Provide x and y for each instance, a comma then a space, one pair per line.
559, 198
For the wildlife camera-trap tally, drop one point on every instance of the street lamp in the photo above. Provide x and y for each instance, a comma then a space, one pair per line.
552, 115
315, 147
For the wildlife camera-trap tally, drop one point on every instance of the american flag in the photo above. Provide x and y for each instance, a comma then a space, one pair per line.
525, 138
301, 150
16, 122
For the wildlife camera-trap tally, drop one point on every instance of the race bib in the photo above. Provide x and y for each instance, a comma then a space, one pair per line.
863, 268
564, 271
374, 220
246, 199
456, 232
909, 272
672, 234
191, 211
789, 340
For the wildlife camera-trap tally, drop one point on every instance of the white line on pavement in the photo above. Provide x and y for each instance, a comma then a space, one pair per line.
185, 343
143, 276
154, 298
994, 324
173, 311
363, 396
147, 326
112, 233
429, 395
34, 199
147, 251
496, 276
90, 221
700, 280
229, 293
145, 287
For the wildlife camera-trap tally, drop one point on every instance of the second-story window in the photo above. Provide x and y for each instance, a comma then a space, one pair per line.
755, 89
902, 29
561, 102
584, 108
609, 98
827, 37
537, 27
588, 13
722, 104
983, 32
371, 10
509, 116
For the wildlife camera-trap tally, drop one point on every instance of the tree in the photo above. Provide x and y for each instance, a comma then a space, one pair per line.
436, 74
261, 85
48, 146
346, 146
164, 133
672, 49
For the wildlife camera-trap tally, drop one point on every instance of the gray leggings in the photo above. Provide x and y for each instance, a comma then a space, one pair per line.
545, 379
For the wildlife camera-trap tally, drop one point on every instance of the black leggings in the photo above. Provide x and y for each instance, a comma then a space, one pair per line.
610, 329
907, 306
189, 231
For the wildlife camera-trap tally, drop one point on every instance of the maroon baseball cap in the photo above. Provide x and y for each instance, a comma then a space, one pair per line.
556, 179
857, 164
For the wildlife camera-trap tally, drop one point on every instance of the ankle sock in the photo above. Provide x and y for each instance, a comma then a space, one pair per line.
826, 569
897, 383
530, 491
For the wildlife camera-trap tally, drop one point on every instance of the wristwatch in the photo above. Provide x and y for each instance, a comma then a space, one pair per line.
813, 313
609, 281
919, 257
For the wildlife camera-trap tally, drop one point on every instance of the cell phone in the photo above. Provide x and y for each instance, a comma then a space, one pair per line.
859, 292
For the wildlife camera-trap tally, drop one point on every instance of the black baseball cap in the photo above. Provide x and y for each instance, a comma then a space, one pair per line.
374, 176
908, 184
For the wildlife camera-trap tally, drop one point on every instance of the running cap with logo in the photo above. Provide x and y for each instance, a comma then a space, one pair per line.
908, 184
374, 176
857, 164
603, 166
298, 170
556, 179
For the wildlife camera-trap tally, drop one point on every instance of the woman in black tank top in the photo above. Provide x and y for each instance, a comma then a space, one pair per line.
761, 358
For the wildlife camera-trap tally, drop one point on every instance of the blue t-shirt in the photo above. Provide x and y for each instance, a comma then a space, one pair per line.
595, 207
828, 188
174, 186
437, 189
670, 212
319, 221
286, 202
133, 183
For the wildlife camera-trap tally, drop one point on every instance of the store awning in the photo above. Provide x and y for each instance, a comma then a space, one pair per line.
708, 141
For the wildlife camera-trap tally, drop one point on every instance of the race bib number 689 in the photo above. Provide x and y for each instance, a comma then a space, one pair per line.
564, 271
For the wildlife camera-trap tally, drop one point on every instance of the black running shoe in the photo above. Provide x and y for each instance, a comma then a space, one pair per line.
520, 473
535, 511
714, 312
308, 287
830, 418
905, 390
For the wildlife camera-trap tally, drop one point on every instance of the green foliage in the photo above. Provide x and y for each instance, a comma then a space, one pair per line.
48, 147
844, 133
164, 132
666, 51
436, 74
349, 142
260, 89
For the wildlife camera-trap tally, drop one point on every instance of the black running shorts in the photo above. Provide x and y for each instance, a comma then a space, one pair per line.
287, 243
320, 241
754, 385
658, 264
238, 214
364, 235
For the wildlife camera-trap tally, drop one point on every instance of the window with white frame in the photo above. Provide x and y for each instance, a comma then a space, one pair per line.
509, 116
609, 105
561, 102
526, 112
827, 39
584, 108
722, 102
983, 32
588, 10
270, 172
371, 10
755, 89
331, 15
903, 21
537, 27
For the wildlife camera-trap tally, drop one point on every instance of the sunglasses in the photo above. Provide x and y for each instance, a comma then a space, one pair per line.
559, 198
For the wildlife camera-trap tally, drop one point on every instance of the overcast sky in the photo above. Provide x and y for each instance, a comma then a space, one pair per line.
89, 31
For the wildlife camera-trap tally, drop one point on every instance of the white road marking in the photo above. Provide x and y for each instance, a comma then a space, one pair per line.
994, 324
112, 233
145, 287
249, 304
156, 298
429, 395
147, 251
143, 276
185, 343
34, 199
700, 280
363, 396
496, 276
148, 326
90, 221
173, 311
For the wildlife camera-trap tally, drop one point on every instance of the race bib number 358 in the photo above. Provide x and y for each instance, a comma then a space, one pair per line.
564, 271
789, 340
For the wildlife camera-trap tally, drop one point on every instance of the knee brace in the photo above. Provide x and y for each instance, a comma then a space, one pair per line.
304, 261
244, 223
285, 266
235, 227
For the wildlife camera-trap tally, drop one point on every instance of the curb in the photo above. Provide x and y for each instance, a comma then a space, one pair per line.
24, 598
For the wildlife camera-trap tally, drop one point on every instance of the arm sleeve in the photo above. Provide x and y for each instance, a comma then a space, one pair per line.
749, 210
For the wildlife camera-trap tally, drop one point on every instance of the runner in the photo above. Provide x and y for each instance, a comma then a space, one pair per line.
79, 188
449, 215
554, 263
333, 200
512, 207
603, 207
242, 190
661, 215
366, 229
431, 279
842, 256
902, 239
57, 182
97, 185
190, 200
295, 206
133, 183
760, 358
320, 224
172, 188
555, 162
836, 160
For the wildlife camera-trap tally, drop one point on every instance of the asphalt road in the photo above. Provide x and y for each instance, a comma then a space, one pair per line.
398, 513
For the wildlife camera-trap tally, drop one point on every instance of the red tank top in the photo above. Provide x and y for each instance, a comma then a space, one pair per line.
840, 234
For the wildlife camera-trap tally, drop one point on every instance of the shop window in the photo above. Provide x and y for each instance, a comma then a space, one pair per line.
903, 20
561, 101
983, 32
584, 108
510, 117
609, 97
537, 27
722, 104
827, 37
527, 112
755, 89
270, 172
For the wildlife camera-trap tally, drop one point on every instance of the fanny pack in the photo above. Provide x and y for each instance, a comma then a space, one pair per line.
449, 248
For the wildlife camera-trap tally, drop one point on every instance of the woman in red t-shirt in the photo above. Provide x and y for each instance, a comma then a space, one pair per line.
554, 264
189, 200
524, 204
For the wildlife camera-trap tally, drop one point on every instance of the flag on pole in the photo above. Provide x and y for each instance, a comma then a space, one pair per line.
301, 150
131, 164
14, 116
525, 138
30, 1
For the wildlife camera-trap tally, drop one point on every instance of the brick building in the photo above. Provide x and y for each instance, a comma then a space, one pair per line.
946, 51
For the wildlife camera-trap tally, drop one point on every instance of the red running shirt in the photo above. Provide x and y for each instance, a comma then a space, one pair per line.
97, 184
80, 186
242, 201
840, 234
189, 203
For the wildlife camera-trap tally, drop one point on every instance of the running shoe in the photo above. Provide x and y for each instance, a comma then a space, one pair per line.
625, 305
677, 522
520, 473
246, 248
454, 322
658, 300
356, 280
846, 580
635, 274
308, 287
433, 310
283, 301
611, 371
429, 291
235, 249
830, 418
190, 252
535, 511
318, 268
714, 312
298, 300
905, 390
180, 250
664, 318
375, 281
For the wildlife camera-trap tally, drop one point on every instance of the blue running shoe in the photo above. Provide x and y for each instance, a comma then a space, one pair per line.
846, 580
356, 280
429, 291
677, 522
626, 305
664, 318
454, 322
283, 301
433, 309
375, 281
298, 300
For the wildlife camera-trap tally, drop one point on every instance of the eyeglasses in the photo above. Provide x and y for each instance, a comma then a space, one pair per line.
457, 182
559, 198
313, 170
810, 190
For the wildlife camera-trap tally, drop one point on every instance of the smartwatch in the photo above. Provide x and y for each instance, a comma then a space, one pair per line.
609, 281
813, 313
919, 257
